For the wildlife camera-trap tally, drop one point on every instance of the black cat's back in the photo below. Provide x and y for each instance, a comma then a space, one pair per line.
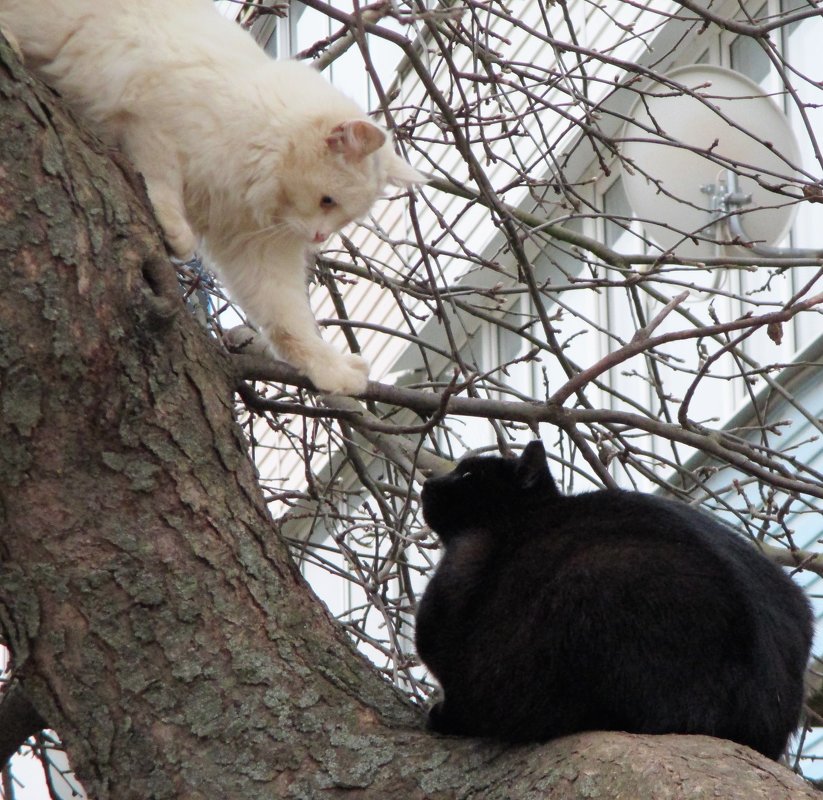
692, 622
607, 610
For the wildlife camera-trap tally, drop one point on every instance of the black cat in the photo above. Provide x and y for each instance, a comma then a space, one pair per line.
609, 610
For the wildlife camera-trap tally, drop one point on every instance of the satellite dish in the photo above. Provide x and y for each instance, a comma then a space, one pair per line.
692, 191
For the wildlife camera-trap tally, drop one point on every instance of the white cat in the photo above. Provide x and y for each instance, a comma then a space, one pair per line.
256, 161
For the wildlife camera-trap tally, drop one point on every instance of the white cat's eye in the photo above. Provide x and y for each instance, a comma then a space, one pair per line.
327, 202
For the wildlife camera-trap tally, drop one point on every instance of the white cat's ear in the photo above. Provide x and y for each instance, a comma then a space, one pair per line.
400, 173
355, 139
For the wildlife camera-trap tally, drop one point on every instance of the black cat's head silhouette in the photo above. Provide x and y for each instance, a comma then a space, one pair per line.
480, 489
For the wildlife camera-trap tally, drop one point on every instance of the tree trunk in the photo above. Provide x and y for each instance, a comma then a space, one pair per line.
155, 617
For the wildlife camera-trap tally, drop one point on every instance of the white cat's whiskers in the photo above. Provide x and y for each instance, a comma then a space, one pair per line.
278, 230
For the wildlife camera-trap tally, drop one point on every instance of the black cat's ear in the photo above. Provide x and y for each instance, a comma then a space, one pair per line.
532, 469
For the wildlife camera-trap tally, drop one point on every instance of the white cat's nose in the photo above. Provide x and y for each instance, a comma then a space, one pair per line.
320, 237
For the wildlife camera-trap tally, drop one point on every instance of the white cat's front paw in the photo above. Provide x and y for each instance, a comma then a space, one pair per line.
177, 232
339, 374
182, 242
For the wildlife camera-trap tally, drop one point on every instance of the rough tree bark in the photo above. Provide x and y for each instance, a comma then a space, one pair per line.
155, 617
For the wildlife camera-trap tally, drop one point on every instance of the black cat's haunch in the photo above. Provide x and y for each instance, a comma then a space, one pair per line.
610, 610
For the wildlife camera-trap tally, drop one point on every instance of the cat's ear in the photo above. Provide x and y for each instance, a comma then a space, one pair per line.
532, 469
355, 139
400, 173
